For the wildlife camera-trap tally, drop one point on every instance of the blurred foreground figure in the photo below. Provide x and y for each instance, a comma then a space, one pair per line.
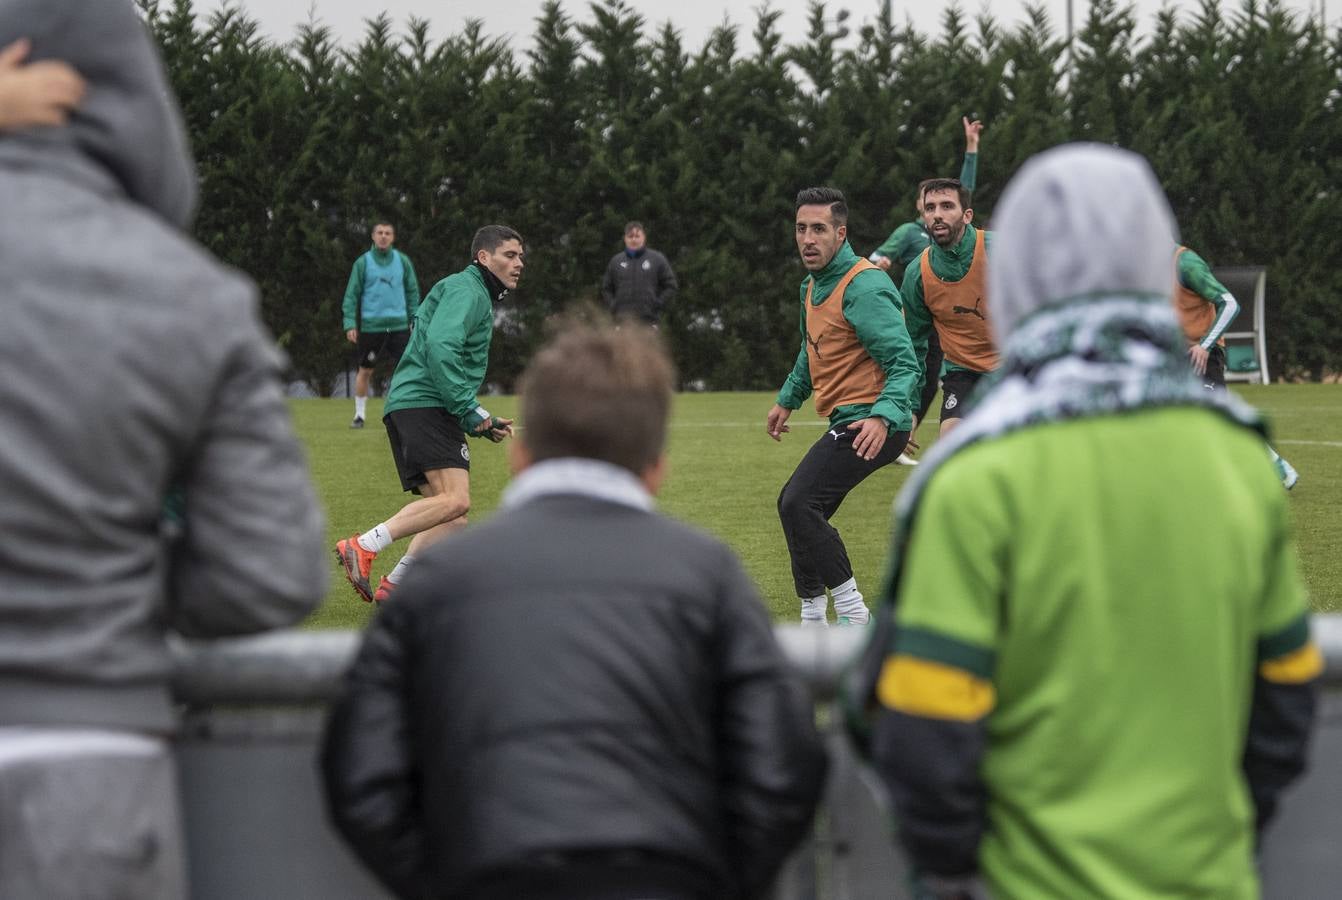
150, 478
1100, 675
581, 698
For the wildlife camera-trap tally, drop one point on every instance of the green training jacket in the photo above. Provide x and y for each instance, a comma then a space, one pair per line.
445, 362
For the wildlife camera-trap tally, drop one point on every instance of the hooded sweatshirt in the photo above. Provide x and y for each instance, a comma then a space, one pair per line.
1098, 675
139, 372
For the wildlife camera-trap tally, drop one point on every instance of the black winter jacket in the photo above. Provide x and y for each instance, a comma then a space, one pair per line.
574, 675
640, 286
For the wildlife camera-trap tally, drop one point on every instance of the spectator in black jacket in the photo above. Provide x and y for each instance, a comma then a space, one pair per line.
639, 282
580, 698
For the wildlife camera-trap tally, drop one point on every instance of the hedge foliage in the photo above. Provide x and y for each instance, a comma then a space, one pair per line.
302, 145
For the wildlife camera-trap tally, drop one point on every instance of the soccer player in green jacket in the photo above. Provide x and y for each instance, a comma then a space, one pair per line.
902, 247
432, 407
855, 359
1206, 310
380, 302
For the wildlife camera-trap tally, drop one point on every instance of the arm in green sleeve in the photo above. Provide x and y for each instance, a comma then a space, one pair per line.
936, 688
454, 319
887, 249
918, 321
411, 288
797, 387
353, 294
1196, 275
969, 171
872, 306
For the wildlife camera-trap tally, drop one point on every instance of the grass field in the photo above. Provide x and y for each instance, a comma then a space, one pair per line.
726, 474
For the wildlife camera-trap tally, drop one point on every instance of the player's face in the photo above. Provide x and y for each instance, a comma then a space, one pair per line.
505, 261
944, 218
635, 239
383, 235
818, 238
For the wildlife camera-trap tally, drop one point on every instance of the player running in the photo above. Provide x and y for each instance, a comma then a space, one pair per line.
432, 406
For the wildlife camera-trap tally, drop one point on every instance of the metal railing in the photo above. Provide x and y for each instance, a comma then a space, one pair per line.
256, 828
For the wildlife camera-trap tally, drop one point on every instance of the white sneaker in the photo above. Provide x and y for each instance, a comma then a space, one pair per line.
854, 621
1289, 476
905, 460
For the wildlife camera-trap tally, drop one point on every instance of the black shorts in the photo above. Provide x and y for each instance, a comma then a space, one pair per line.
424, 439
955, 390
1215, 376
381, 347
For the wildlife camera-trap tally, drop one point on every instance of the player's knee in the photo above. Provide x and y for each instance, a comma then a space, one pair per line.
793, 505
453, 506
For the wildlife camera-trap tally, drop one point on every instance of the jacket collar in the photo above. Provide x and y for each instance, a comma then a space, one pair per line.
577, 477
492, 283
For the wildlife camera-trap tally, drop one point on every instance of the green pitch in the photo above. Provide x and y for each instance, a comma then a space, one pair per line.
726, 474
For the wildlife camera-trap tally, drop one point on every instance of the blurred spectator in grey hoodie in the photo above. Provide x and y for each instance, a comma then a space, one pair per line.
150, 476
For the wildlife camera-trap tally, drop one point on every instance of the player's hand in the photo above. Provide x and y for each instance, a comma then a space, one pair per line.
972, 131
352, 335
883, 263
40, 93
870, 438
496, 428
775, 422
1198, 357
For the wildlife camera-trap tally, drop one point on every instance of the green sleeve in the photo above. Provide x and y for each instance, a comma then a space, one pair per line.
872, 306
797, 387
887, 249
354, 293
411, 288
1285, 603
918, 321
953, 572
904, 244
969, 171
1196, 275
456, 317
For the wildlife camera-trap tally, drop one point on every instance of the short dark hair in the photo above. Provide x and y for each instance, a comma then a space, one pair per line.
598, 392
634, 225
384, 221
489, 237
814, 196
944, 184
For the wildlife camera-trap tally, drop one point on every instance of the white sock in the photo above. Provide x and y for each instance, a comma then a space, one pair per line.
377, 540
401, 567
848, 601
360, 407
813, 608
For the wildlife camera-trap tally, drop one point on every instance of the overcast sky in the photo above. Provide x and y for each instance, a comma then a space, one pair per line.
695, 19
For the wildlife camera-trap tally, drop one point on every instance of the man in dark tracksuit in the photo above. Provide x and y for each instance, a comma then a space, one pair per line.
580, 699
639, 282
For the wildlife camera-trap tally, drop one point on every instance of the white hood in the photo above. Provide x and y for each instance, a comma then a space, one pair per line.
1075, 221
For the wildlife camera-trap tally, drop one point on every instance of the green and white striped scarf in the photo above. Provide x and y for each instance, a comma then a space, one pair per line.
1080, 358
